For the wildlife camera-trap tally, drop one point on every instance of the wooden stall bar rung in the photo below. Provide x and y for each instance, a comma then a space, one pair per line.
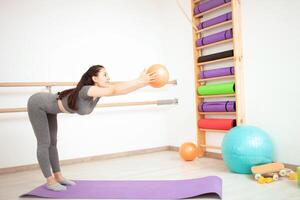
213, 130
211, 147
214, 44
215, 61
217, 113
217, 96
216, 78
214, 26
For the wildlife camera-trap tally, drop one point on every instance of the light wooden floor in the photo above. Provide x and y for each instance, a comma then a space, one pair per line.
156, 166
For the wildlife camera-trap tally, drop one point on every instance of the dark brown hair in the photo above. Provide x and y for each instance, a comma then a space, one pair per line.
86, 79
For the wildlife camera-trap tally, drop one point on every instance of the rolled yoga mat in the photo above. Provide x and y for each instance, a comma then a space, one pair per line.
202, 7
222, 18
223, 35
217, 106
215, 56
218, 124
225, 71
134, 189
298, 176
214, 89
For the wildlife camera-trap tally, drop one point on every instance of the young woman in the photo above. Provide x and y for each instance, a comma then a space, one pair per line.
43, 108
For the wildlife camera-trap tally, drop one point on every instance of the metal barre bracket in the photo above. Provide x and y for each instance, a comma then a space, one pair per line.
167, 101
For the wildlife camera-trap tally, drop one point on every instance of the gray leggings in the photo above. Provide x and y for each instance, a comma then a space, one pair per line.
42, 110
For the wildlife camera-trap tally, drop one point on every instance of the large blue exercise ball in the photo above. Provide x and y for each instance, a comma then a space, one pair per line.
246, 146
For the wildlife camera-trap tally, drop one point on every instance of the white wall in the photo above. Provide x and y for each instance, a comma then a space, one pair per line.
271, 56
58, 40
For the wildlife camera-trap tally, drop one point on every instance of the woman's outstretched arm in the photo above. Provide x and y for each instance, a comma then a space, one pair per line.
123, 87
116, 82
129, 86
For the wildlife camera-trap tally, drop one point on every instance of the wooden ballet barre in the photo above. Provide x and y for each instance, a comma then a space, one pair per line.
157, 102
49, 84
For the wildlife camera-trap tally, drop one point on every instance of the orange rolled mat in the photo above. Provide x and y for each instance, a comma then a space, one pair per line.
218, 124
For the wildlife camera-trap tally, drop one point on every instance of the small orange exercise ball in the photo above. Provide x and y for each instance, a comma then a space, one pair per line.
163, 75
188, 151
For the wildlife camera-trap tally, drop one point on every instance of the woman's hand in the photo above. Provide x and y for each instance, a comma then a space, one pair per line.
147, 78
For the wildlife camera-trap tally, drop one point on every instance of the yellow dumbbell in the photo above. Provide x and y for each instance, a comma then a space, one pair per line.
292, 176
261, 180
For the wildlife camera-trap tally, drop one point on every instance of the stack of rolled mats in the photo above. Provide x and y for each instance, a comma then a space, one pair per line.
217, 124
216, 37
217, 106
225, 71
219, 19
215, 89
202, 7
216, 56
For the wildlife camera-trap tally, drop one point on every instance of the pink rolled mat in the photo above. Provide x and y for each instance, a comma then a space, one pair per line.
218, 124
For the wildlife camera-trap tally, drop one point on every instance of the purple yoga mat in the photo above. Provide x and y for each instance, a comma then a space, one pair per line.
223, 35
222, 18
136, 189
217, 106
202, 7
225, 71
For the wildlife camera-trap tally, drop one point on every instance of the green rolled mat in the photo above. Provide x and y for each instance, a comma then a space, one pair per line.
213, 89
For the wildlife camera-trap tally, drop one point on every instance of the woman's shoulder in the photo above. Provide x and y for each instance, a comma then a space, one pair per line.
83, 93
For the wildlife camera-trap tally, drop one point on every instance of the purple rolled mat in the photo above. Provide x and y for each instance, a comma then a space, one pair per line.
223, 35
202, 7
196, 11
226, 71
222, 18
217, 106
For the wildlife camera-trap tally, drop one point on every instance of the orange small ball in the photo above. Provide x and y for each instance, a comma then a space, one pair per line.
163, 75
188, 151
